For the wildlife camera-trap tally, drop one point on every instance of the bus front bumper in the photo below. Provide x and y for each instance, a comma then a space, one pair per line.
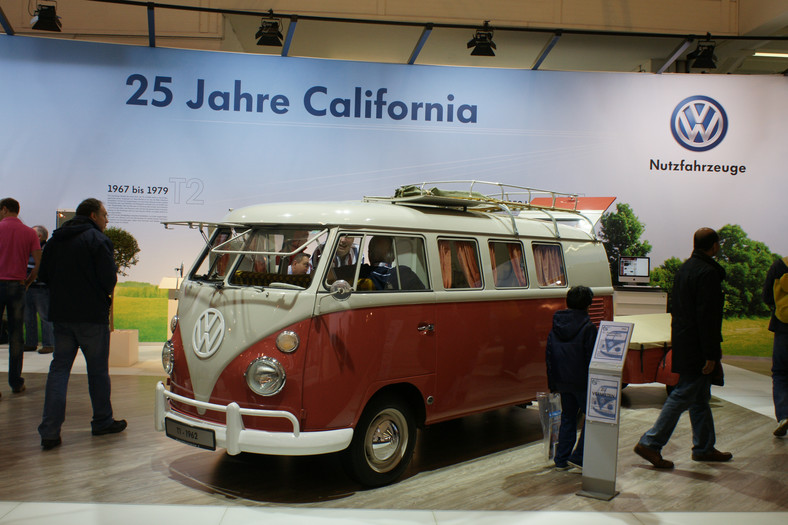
234, 437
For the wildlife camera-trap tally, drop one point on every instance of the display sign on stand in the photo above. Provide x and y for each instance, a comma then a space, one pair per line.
600, 458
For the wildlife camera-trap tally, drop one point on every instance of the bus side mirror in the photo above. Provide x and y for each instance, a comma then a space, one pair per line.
340, 289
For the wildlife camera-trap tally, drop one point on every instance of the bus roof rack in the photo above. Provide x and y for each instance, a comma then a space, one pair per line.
485, 196
478, 195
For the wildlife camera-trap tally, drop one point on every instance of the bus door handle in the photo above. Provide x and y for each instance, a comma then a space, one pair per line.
426, 328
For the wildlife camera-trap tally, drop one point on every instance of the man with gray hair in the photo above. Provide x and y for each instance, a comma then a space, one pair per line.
37, 306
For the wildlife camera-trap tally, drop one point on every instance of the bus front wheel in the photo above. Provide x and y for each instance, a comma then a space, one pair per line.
383, 442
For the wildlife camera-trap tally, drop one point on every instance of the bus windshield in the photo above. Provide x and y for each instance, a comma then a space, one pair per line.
260, 256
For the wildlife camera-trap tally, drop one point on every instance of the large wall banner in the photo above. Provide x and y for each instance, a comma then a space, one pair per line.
164, 134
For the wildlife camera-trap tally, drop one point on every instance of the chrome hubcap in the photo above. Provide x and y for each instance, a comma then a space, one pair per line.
386, 440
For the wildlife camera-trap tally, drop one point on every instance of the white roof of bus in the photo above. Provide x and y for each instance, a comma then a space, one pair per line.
375, 215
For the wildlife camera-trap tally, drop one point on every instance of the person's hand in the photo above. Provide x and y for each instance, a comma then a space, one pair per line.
708, 368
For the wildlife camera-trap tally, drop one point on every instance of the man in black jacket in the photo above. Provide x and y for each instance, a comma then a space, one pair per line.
78, 264
779, 349
696, 334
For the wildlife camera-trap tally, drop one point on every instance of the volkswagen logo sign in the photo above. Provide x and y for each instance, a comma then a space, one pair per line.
208, 333
699, 123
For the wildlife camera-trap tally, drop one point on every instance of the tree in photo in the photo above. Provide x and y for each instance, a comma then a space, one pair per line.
663, 276
620, 232
746, 262
126, 250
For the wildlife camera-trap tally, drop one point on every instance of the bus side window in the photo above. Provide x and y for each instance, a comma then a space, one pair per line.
459, 264
344, 258
410, 264
549, 264
508, 264
394, 263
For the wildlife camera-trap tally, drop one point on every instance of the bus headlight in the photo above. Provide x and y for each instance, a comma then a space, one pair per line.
287, 341
266, 376
173, 323
168, 357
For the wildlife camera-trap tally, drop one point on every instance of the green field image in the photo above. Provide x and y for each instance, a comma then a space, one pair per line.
747, 337
142, 306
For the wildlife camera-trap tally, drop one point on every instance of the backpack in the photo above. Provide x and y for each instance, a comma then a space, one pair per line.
781, 296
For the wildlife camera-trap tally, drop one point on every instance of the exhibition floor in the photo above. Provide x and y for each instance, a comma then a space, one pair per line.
482, 469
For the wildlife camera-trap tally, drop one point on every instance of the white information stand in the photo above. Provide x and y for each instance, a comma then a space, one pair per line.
600, 456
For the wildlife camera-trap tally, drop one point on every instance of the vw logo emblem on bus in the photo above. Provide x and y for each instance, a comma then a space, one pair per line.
699, 123
208, 333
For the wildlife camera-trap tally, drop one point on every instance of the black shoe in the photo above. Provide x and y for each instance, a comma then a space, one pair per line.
653, 457
714, 455
30, 348
49, 444
18, 390
46, 349
117, 425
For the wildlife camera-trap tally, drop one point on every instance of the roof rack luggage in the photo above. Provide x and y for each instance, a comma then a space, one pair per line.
484, 196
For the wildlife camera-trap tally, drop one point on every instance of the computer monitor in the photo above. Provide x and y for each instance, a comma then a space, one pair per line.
634, 270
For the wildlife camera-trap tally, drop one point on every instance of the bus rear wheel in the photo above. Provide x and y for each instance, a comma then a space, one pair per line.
383, 442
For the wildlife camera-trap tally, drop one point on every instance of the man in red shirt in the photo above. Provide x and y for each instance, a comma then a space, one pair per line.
17, 244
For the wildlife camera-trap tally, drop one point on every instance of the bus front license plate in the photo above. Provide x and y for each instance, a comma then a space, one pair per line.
198, 437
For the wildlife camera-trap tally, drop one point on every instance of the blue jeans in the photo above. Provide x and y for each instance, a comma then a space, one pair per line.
572, 404
12, 300
93, 339
37, 302
692, 393
780, 375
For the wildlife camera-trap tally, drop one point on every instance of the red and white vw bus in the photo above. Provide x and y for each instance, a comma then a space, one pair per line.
414, 309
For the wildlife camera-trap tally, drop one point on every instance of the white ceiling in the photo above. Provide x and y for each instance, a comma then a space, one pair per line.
724, 19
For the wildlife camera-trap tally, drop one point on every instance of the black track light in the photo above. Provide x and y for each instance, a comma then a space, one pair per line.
45, 19
482, 42
270, 32
703, 55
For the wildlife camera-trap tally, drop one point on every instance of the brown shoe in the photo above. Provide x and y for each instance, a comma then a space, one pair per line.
782, 428
46, 349
714, 455
652, 456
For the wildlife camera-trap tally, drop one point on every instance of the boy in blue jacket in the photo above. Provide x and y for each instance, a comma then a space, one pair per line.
569, 348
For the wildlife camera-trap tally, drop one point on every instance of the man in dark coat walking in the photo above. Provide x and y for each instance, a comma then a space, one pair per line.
696, 334
78, 264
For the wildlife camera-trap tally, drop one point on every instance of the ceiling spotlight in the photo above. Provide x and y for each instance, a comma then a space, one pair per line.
703, 55
270, 32
45, 18
482, 42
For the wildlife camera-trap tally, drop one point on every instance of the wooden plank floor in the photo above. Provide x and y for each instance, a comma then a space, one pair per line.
491, 461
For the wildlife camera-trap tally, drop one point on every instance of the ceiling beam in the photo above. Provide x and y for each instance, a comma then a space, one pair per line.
151, 27
289, 37
546, 50
675, 55
425, 34
5, 23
